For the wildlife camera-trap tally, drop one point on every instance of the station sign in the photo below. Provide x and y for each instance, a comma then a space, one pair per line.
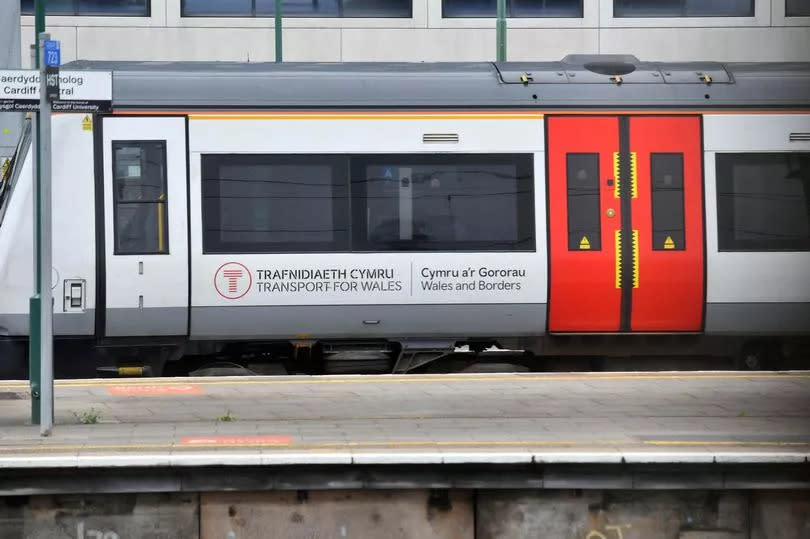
79, 91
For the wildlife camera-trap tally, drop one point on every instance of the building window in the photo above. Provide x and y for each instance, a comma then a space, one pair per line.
298, 8
763, 201
514, 8
797, 8
274, 203
458, 202
139, 193
113, 8
683, 8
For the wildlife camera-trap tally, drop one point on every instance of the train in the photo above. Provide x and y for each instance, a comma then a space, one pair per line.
387, 216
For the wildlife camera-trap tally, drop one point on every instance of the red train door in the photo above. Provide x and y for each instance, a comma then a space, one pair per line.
625, 224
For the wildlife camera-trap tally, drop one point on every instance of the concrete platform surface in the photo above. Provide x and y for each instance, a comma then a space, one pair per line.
593, 418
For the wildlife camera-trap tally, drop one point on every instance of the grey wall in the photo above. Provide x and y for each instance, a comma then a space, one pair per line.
165, 35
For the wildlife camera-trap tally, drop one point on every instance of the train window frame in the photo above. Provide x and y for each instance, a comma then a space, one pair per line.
340, 206
525, 209
253, 13
726, 212
77, 11
164, 201
512, 13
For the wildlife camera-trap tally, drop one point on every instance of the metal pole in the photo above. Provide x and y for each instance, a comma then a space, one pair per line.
35, 304
278, 31
501, 31
45, 275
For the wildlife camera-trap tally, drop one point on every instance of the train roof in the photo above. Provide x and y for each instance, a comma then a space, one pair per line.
578, 81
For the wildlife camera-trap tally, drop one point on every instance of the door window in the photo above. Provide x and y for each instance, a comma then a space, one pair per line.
666, 177
584, 221
139, 193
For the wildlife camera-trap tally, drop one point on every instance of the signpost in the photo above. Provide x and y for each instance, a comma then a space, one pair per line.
45, 332
79, 91
21, 90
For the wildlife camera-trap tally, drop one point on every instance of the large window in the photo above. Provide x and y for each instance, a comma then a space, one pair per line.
306, 203
683, 8
139, 193
514, 8
443, 202
797, 8
763, 201
117, 8
297, 8
274, 203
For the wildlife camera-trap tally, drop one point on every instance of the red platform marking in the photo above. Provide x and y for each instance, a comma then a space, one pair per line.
235, 440
184, 389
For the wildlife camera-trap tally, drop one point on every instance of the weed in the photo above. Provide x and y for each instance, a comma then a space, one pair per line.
227, 418
89, 417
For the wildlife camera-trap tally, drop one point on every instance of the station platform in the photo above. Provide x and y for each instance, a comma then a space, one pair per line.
605, 421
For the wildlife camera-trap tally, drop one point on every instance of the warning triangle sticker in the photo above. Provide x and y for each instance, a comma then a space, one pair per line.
668, 243
584, 243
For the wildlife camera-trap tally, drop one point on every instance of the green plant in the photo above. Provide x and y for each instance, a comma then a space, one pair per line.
89, 417
227, 418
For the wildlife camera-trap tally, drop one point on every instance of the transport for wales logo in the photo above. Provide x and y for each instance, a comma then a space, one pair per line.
232, 280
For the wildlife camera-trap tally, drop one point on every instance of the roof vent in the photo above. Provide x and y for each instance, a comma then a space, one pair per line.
612, 69
440, 138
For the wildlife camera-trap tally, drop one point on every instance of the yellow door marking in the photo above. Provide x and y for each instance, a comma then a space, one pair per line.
618, 258
633, 176
87, 123
616, 174
161, 231
584, 244
635, 258
668, 243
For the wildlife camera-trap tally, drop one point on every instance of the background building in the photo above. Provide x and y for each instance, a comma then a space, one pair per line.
425, 30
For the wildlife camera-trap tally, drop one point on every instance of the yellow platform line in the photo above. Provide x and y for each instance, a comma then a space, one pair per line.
616, 444
398, 379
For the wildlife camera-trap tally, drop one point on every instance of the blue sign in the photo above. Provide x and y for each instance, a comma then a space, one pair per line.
52, 53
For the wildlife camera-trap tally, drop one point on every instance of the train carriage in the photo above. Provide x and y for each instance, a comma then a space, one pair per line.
397, 212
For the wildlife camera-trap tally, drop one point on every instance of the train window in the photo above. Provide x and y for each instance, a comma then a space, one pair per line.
683, 8
797, 8
763, 201
514, 8
274, 203
443, 202
666, 178
297, 8
139, 193
117, 8
584, 221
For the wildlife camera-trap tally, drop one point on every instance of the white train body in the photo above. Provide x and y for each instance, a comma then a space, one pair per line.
181, 290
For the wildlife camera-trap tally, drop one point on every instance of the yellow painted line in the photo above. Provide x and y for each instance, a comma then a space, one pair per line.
724, 443
616, 444
400, 379
472, 116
